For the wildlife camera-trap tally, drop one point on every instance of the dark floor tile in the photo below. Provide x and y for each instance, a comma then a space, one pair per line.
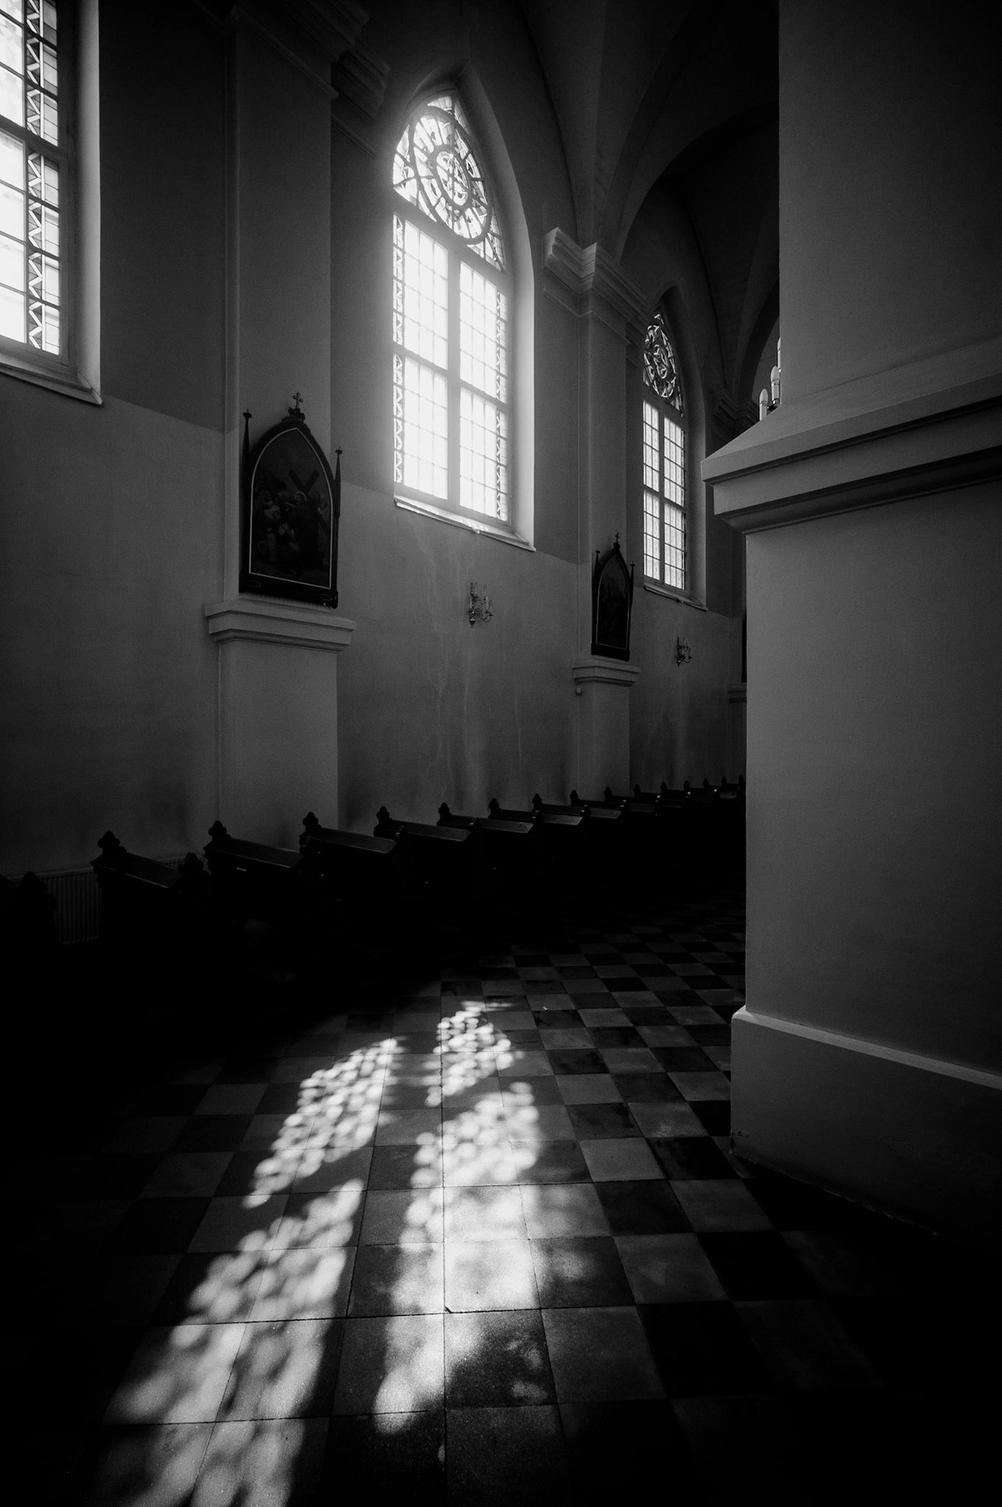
576, 1061
397, 1167
710, 1036
247, 1070
169, 1098
579, 1272
500, 1455
159, 1224
496, 1359
279, 1098
213, 1132
616, 1036
620, 1451
549, 1162
392, 1279
757, 1264
647, 1088
685, 1157
391, 1364
116, 1176
394, 1457
600, 1354
556, 1019
702, 1349
646, 1015
598, 1121
211, 1288
684, 1060
642, 1208
713, 1114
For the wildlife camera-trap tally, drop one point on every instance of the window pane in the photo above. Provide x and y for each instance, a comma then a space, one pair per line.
674, 520
11, 97
483, 334
11, 160
11, 44
483, 455
11, 212
420, 294
652, 535
420, 427
11, 314
674, 461
652, 449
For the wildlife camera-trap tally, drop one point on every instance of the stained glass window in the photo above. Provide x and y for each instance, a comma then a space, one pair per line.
664, 461
437, 169
451, 398
32, 160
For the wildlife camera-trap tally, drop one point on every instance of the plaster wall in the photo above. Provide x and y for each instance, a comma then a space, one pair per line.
890, 215
111, 546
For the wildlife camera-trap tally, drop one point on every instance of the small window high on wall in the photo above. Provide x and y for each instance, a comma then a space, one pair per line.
48, 244
664, 471
451, 323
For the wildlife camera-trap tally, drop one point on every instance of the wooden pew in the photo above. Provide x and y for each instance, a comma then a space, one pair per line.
561, 846
143, 900
505, 857
378, 900
253, 882
640, 831
27, 918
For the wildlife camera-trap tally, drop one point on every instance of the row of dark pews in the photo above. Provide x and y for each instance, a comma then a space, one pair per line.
412, 887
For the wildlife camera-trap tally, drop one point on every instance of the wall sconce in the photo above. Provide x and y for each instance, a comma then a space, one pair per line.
683, 653
480, 609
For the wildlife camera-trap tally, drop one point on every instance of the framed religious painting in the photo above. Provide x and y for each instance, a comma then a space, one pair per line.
611, 603
291, 513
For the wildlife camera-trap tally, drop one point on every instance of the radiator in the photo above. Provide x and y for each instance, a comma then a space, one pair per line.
78, 901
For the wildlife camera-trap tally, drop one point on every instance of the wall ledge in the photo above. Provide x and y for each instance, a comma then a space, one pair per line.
594, 667
268, 621
929, 427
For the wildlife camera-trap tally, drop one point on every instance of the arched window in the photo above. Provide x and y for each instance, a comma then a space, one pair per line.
451, 321
665, 493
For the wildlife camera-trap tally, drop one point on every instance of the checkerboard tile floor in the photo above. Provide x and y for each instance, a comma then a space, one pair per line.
474, 1238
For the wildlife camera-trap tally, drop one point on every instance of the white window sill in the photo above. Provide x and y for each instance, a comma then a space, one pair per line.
458, 520
673, 596
56, 378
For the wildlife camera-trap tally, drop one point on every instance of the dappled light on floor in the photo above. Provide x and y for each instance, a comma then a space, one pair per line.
262, 1350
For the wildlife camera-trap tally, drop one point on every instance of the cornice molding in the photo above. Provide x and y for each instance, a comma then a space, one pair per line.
592, 668
591, 276
263, 620
306, 31
883, 439
361, 76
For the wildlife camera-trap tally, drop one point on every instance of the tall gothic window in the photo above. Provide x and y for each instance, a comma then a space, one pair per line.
451, 293
33, 170
664, 462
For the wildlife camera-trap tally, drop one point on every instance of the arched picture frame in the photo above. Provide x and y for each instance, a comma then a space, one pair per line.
611, 604
292, 508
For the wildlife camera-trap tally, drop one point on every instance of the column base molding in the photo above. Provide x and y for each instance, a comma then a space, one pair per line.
913, 1136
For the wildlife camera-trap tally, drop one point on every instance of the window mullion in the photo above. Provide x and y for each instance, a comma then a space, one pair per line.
453, 377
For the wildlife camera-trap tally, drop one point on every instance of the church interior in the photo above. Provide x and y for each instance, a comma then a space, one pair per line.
646, 347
